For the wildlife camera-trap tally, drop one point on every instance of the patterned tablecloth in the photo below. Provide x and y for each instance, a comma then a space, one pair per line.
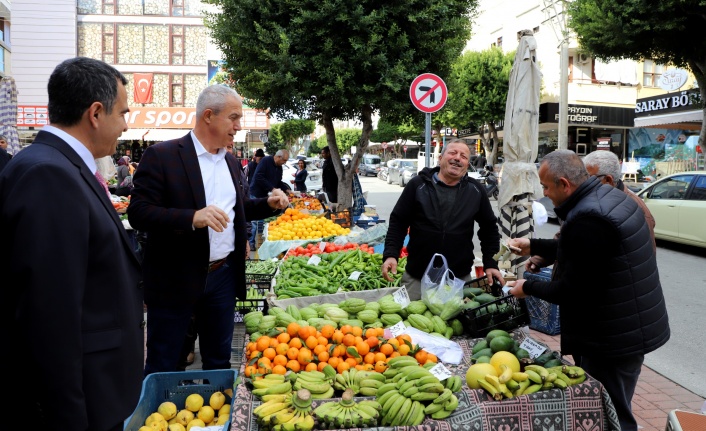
584, 407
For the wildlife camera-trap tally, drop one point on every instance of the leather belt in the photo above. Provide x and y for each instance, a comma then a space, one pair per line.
212, 266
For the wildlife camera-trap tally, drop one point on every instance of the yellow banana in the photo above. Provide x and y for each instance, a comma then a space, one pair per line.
543, 373
506, 373
520, 377
533, 376
492, 390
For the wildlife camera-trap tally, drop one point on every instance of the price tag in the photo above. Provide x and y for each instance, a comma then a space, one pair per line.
306, 203
314, 260
322, 245
440, 371
397, 329
401, 297
354, 275
506, 290
533, 348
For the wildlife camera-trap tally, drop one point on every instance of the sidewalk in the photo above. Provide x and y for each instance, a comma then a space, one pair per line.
654, 398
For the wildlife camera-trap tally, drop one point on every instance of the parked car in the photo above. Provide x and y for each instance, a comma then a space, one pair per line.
370, 165
678, 204
403, 172
474, 173
313, 179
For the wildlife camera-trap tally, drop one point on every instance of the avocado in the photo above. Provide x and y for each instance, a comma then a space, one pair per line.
483, 352
482, 344
484, 298
543, 358
553, 363
483, 360
501, 343
470, 292
495, 333
522, 353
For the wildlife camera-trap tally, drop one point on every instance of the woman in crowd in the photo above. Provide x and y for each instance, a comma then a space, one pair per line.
300, 177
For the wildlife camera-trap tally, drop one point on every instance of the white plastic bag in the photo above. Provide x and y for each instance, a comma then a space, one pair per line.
441, 290
539, 213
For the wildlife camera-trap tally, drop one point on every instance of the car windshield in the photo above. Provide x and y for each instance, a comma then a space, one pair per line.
371, 160
408, 164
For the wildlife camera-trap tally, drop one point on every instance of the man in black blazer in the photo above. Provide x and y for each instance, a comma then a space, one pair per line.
187, 197
72, 304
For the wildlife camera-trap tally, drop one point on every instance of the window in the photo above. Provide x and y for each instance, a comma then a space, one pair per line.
699, 191
500, 42
674, 188
651, 72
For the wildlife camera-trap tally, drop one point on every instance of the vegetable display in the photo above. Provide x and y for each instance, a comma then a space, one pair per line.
294, 224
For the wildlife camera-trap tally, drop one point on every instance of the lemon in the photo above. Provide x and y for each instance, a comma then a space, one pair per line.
195, 422
159, 425
225, 410
222, 419
206, 414
167, 409
176, 427
217, 400
194, 402
152, 418
184, 417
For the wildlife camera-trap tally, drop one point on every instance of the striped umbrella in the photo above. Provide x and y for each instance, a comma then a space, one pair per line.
8, 113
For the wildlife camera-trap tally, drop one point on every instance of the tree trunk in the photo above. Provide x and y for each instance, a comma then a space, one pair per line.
496, 141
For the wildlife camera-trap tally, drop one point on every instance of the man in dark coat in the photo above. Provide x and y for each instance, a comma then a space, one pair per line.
188, 199
605, 279
72, 300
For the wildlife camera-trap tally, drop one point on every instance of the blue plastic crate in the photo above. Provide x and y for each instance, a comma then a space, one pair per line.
544, 316
175, 387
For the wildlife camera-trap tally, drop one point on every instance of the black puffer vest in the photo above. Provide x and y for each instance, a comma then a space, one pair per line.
617, 310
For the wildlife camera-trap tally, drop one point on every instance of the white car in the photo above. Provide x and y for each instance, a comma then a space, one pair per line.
313, 179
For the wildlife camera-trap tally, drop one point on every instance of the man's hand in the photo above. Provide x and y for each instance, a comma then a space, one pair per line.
517, 288
247, 250
212, 217
521, 245
536, 263
494, 274
389, 265
277, 199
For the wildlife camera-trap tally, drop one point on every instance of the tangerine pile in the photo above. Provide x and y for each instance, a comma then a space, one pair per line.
294, 224
298, 348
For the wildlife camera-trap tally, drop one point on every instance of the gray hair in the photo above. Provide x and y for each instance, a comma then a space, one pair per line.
282, 153
565, 164
214, 97
606, 162
455, 141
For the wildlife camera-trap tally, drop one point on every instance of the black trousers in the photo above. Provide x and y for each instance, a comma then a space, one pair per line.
619, 377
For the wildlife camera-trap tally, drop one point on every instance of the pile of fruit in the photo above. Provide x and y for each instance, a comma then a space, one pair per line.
194, 413
505, 371
295, 225
310, 249
306, 203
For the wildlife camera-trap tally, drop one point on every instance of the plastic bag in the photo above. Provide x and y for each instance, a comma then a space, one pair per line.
442, 292
539, 213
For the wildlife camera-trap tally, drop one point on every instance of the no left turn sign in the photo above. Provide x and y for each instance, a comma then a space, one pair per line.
428, 92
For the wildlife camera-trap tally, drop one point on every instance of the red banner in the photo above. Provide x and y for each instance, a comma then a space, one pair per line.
143, 87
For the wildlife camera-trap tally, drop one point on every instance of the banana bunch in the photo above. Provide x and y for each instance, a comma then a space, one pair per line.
297, 417
272, 384
412, 392
250, 295
533, 379
360, 382
272, 405
454, 383
316, 382
347, 413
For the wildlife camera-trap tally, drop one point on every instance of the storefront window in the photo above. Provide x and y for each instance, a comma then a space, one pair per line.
663, 151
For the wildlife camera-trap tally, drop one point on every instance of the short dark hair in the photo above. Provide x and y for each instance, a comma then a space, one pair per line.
77, 83
326, 150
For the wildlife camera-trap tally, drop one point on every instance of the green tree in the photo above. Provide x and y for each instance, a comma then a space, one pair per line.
293, 130
396, 134
332, 60
666, 31
478, 89
274, 139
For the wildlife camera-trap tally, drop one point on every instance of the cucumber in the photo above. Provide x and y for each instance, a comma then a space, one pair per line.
484, 298
482, 344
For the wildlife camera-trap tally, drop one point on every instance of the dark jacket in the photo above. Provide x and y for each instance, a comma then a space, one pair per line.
4, 158
418, 210
606, 279
300, 180
252, 166
329, 180
267, 176
168, 191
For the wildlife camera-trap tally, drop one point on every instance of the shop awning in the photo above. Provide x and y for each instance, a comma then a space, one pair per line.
160, 135
681, 120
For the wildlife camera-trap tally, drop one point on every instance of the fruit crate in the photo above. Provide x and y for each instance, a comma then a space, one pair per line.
507, 312
175, 387
258, 278
544, 316
342, 218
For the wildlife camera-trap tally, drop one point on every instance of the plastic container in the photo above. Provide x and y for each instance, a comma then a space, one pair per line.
544, 316
507, 312
175, 387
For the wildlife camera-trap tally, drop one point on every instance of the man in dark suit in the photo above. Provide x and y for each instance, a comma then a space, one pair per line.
187, 197
72, 305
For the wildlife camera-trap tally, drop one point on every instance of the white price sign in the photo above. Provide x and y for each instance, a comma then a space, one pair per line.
440, 371
314, 260
533, 348
397, 329
354, 275
401, 297
322, 245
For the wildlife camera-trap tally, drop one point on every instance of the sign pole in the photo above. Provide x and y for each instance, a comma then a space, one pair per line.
427, 139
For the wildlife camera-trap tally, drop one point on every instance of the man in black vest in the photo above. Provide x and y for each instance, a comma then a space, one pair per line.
605, 279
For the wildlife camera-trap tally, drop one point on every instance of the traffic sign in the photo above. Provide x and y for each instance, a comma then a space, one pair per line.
404, 148
384, 145
428, 93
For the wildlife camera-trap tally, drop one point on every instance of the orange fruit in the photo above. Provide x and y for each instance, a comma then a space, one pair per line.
311, 342
352, 362
254, 354
369, 367
380, 366
339, 350
369, 358
322, 340
380, 332
432, 357
293, 329
404, 349
327, 331
306, 331
280, 360
337, 337
323, 356
363, 348
387, 349
296, 342
421, 356
346, 329
372, 341
279, 369
294, 366
282, 348
348, 340
342, 366
370, 332
311, 366
250, 370
394, 354
319, 348
273, 342
292, 353
251, 346
283, 337
264, 362
359, 367
379, 356
321, 366
263, 343
269, 353
394, 343
304, 356
334, 361
357, 331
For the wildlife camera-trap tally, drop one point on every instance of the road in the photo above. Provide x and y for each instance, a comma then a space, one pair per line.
683, 275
